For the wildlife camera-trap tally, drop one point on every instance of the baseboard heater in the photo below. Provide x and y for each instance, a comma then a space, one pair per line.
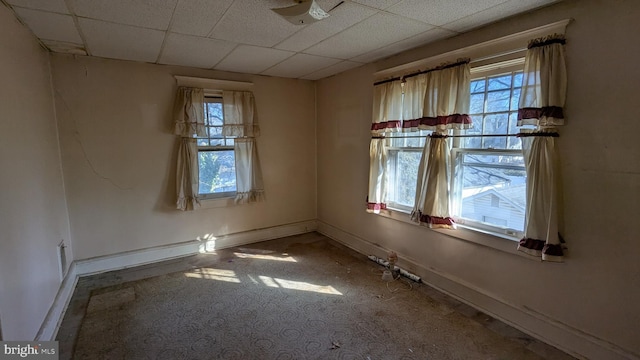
402, 272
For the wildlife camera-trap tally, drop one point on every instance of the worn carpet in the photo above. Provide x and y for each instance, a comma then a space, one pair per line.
302, 297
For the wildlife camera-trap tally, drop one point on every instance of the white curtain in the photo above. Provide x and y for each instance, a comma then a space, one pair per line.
248, 173
240, 121
544, 83
432, 191
445, 106
239, 117
541, 103
377, 176
188, 117
438, 99
541, 237
188, 112
387, 107
187, 174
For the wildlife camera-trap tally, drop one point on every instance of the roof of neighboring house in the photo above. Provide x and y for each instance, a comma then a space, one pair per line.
511, 194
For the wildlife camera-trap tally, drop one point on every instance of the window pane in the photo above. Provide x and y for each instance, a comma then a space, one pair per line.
515, 99
217, 142
474, 142
214, 114
500, 82
514, 142
498, 101
495, 124
217, 171
215, 132
477, 104
477, 86
406, 177
203, 142
495, 195
517, 80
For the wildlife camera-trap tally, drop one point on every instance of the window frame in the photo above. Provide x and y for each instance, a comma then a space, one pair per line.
219, 195
457, 148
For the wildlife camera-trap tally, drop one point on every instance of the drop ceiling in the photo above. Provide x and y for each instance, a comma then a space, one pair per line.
246, 36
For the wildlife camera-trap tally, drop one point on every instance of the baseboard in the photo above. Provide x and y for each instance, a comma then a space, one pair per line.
79, 268
52, 321
550, 331
160, 253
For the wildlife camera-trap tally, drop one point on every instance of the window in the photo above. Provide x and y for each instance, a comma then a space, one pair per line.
216, 157
488, 176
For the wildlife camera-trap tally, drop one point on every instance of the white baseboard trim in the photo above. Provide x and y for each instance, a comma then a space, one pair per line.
52, 321
564, 337
79, 268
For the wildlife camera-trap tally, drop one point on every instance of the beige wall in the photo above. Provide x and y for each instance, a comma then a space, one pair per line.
33, 214
118, 155
596, 293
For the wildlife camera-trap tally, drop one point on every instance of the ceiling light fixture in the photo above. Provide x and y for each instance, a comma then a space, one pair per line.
303, 13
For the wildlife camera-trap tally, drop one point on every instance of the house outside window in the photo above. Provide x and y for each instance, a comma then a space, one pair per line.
488, 182
216, 156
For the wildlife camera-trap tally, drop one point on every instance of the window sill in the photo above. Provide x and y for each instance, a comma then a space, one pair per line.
501, 242
217, 202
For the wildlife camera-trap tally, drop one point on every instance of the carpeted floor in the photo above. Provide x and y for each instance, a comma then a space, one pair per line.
302, 297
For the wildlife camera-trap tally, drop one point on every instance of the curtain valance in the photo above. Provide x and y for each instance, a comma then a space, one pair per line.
438, 99
239, 114
544, 83
188, 112
387, 107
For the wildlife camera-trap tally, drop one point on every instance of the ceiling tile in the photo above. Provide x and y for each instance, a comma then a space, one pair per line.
252, 22
299, 65
378, 4
496, 13
65, 47
332, 70
400, 46
202, 52
252, 59
438, 12
50, 5
121, 41
198, 17
375, 32
50, 26
341, 18
142, 13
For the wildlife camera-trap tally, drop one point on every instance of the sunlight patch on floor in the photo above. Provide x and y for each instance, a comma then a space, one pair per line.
264, 257
214, 274
299, 285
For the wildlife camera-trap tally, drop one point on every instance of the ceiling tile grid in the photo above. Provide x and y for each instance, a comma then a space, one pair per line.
50, 26
246, 36
377, 31
204, 52
243, 59
124, 42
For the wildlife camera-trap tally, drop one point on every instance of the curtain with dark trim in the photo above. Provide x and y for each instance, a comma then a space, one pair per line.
544, 83
387, 107
188, 115
541, 237
446, 106
541, 104
438, 99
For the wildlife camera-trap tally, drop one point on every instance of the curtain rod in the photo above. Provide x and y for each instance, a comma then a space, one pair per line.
440, 67
469, 135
